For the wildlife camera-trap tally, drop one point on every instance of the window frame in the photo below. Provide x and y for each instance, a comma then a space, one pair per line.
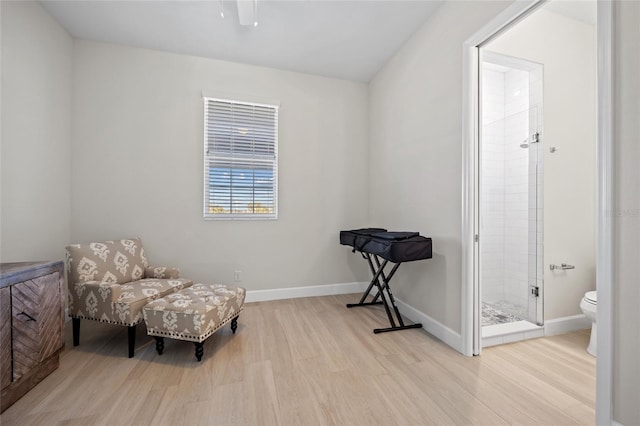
207, 157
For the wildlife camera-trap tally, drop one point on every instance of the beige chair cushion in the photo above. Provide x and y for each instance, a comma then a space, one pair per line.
119, 261
194, 313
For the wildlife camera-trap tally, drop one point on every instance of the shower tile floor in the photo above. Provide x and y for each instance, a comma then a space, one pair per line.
502, 312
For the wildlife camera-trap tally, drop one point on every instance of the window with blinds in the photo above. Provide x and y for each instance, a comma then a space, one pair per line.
240, 160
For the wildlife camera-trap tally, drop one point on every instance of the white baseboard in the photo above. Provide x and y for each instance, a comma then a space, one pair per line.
309, 291
432, 326
566, 324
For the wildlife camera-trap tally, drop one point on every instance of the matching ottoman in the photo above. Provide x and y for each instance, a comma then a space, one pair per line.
193, 314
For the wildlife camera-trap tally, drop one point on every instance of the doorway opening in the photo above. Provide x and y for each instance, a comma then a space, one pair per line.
510, 193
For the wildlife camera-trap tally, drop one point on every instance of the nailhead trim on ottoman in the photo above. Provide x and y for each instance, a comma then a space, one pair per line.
194, 314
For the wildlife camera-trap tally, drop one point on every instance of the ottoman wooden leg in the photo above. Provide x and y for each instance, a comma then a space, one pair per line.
234, 324
75, 322
159, 344
199, 350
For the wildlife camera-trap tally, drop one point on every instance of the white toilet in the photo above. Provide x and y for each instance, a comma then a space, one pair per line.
589, 305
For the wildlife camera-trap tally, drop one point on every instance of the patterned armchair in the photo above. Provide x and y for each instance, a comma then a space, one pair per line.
111, 281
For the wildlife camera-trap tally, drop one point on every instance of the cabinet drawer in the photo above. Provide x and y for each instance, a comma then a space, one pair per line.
36, 309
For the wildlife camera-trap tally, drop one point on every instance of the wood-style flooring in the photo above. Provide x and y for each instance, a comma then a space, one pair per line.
311, 361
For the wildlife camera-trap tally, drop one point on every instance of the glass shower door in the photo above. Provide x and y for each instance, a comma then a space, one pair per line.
510, 192
520, 215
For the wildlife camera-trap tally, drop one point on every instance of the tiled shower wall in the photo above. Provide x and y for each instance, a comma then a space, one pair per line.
492, 186
505, 186
516, 193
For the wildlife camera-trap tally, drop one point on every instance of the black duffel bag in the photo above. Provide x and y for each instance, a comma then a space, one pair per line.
355, 237
393, 246
399, 247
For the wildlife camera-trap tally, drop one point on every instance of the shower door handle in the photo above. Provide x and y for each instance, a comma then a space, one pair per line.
535, 138
562, 267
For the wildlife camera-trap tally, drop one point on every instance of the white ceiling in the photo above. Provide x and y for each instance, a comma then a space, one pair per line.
344, 39
580, 10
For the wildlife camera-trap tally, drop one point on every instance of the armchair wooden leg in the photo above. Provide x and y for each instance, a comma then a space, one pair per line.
132, 340
75, 322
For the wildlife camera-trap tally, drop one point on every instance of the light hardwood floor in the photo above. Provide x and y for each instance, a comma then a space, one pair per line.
311, 361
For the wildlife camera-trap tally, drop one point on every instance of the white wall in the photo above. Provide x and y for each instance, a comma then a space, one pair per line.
415, 136
36, 126
137, 166
567, 50
626, 289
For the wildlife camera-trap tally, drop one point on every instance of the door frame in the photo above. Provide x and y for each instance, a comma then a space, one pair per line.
470, 309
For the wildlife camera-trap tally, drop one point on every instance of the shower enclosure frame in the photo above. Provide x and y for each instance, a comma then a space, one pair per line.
470, 312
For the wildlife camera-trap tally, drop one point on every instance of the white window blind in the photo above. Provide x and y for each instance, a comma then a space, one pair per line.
240, 160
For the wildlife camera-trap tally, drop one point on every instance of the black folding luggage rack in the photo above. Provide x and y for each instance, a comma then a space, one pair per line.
375, 244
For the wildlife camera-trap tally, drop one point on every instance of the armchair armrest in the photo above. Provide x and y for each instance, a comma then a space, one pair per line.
161, 272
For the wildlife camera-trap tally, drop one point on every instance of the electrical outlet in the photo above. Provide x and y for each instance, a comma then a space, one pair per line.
237, 276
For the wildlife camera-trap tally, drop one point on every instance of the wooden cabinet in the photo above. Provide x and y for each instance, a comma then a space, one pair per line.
5, 338
31, 325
